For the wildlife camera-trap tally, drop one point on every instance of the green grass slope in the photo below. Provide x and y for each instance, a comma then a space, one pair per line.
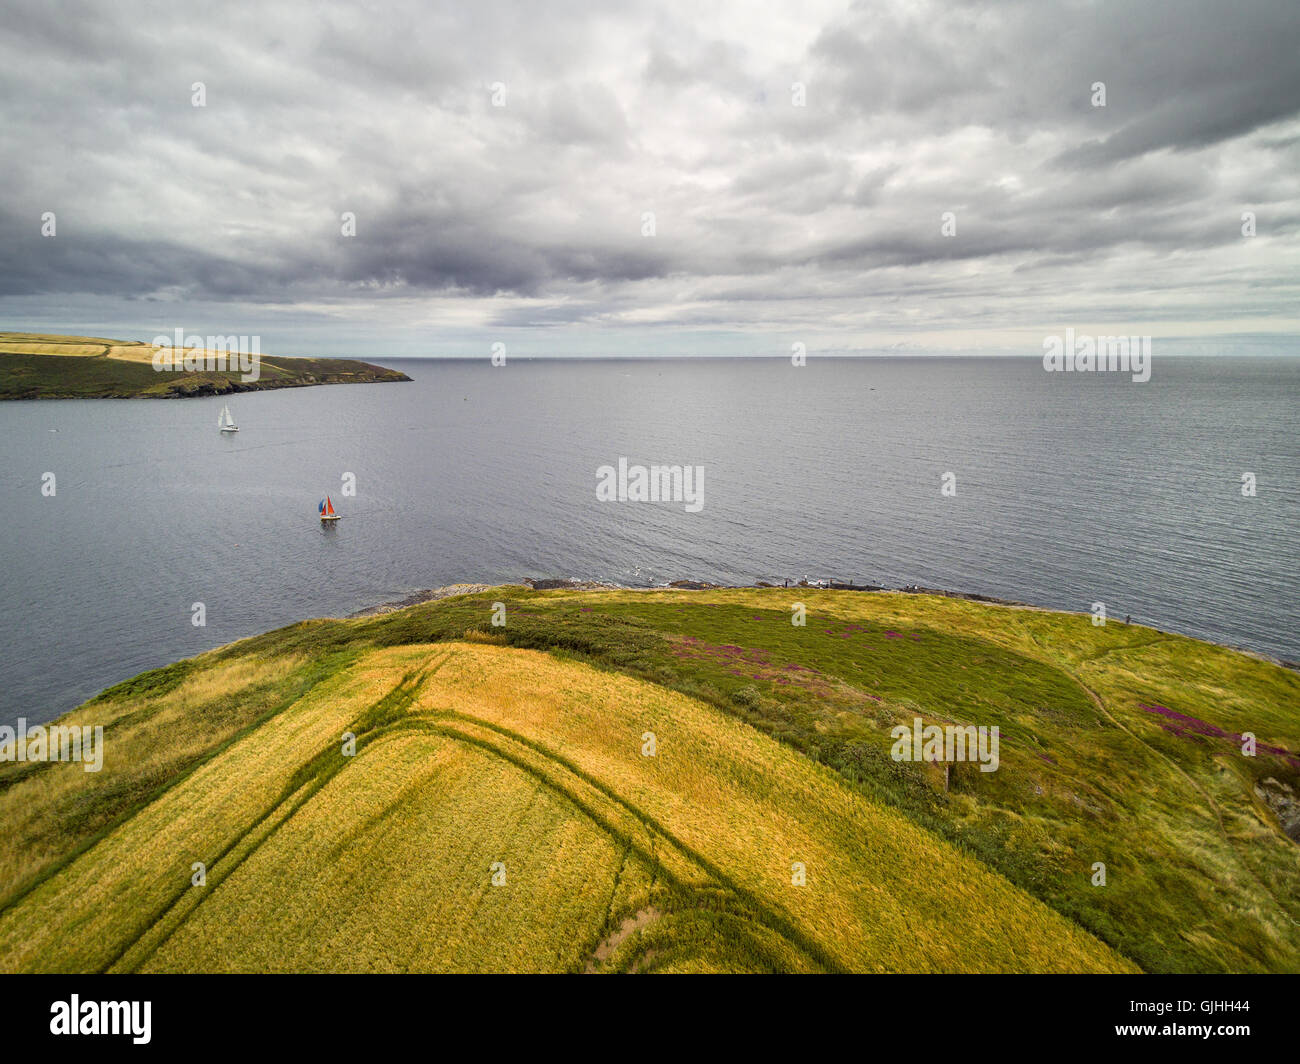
518, 754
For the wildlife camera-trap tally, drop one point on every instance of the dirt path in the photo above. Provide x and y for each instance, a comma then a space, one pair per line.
1187, 777
612, 941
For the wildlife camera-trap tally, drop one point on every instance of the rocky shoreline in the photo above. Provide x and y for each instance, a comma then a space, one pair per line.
450, 590
434, 593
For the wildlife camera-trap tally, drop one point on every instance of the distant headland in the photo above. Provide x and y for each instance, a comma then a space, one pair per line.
47, 366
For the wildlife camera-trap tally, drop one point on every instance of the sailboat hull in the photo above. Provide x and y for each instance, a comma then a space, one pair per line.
329, 517
229, 428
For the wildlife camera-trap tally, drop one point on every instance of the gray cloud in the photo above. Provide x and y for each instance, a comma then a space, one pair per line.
768, 216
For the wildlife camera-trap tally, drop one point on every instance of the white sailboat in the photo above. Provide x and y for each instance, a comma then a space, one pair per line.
224, 420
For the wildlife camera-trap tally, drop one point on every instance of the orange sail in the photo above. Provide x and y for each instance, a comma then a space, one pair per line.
329, 507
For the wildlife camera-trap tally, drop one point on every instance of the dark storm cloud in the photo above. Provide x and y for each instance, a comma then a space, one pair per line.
763, 211
1179, 74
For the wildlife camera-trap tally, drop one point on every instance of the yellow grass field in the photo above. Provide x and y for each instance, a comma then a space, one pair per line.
86, 347
80, 346
476, 760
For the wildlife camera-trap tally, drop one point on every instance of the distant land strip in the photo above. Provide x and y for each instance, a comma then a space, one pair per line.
47, 366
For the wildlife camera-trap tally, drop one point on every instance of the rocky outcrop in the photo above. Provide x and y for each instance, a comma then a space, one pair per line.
1284, 803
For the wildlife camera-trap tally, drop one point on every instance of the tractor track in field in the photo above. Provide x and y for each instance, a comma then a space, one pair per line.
298, 792
445, 723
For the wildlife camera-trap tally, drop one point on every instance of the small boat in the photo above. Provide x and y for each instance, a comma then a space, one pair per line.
225, 421
326, 509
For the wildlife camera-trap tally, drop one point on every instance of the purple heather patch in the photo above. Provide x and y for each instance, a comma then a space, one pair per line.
1187, 723
752, 662
1180, 724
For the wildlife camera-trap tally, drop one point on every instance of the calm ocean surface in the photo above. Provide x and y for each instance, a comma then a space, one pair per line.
1071, 489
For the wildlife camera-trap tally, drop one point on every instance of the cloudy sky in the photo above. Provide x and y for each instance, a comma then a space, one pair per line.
797, 158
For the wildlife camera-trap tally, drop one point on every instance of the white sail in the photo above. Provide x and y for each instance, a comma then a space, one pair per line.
225, 419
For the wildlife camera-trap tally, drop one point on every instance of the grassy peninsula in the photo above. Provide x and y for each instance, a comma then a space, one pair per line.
634, 780
48, 366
